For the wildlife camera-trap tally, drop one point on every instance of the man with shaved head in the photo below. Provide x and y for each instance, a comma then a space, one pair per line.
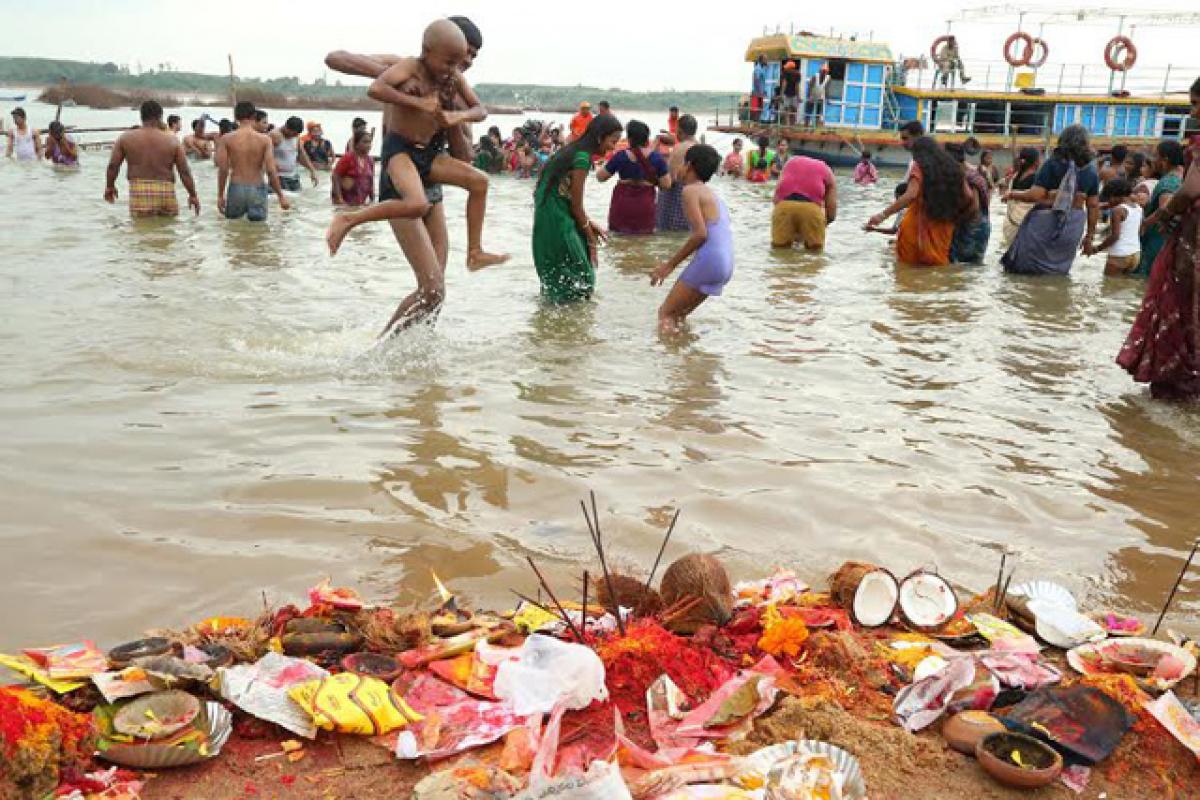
459, 138
414, 161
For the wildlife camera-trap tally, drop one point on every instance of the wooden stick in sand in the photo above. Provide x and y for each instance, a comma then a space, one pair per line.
1186, 566
1004, 594
557, 604
662, 549
593, 524
999, 579
585, 592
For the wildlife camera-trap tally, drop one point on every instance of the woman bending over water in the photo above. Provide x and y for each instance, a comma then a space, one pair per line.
564, 237
1052, 232
937, 198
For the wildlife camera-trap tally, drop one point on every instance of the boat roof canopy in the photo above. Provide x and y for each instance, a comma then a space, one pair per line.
779, 46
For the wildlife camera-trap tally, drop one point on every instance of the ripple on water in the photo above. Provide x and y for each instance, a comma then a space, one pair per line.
204, 407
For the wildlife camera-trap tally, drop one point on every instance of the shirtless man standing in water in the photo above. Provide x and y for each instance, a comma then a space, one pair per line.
459, 138
247, 154
154, 155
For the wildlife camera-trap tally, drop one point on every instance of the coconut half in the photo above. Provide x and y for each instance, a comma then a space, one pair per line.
927, 601
875, 599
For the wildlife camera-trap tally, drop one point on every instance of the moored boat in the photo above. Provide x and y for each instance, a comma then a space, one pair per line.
1019, 102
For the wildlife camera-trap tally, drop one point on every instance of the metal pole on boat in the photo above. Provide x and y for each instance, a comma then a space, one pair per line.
1112, 73
1062, 74
1125, 74
1166, 79
1008, 82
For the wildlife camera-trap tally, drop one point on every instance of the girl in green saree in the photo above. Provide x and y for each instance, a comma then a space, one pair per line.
1168, 167
564, 238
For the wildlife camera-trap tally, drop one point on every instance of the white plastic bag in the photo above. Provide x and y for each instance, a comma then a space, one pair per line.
547, 671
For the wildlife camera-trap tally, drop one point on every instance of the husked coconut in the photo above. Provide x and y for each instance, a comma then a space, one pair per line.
697, 576
630, 593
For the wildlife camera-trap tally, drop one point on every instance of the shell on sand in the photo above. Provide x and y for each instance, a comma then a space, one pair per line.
697, 575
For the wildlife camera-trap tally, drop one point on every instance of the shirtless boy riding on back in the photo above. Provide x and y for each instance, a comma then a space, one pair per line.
245, 154
458, 136
152, 156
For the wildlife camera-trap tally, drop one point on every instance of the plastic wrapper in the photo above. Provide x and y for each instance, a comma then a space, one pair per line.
547, 671
961, 686
455, 729
1176, 719
350, 703
69, 662
1081, 722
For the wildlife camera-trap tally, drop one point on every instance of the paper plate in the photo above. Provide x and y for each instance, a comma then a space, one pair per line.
215, 722
1083, 659
1046, 590
756, 768
1063, 627
158, 715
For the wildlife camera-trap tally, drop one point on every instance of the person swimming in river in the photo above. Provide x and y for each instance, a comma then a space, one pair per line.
457, 171
711, 241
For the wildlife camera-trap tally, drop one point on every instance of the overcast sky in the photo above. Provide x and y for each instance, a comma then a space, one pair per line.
647, 45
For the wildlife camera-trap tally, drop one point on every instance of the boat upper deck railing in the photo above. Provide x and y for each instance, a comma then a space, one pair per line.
1082, 79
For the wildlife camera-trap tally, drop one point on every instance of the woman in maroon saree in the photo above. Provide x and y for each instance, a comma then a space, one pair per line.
642, 172
1163, 346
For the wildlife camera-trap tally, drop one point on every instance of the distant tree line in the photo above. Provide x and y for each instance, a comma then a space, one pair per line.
161, 78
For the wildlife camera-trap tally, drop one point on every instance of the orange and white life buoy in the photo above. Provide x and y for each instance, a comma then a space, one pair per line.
937, 45
1025, 57
1120, 54
1041, 53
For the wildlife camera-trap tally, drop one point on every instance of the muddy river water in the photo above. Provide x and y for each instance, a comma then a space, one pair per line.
193, 414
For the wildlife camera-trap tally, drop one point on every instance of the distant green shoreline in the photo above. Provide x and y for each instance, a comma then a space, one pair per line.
48, 72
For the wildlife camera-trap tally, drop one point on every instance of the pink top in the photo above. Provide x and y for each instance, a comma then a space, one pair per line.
865, 173
806, 176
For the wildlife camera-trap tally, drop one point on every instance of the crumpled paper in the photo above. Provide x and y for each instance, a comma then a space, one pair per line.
960, 686
260, 689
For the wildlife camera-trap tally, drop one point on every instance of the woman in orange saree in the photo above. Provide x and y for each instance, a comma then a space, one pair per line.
937, 197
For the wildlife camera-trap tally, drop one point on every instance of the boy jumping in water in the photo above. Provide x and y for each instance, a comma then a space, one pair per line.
465, 109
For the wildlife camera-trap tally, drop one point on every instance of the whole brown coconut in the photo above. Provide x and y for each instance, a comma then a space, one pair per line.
697, 576
630, 593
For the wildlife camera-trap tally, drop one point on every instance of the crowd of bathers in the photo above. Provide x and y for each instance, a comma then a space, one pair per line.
1054, 205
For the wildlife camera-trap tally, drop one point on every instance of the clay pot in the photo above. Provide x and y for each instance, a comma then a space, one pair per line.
1042, 762
310, 637
374, 665
123, 655
965, 730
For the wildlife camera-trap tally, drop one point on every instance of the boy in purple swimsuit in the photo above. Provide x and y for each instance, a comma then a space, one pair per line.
711, 241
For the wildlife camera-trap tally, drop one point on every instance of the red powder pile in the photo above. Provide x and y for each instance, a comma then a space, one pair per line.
634, 661
37, 739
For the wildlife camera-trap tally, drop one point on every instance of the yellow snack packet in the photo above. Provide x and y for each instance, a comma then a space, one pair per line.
350, 703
